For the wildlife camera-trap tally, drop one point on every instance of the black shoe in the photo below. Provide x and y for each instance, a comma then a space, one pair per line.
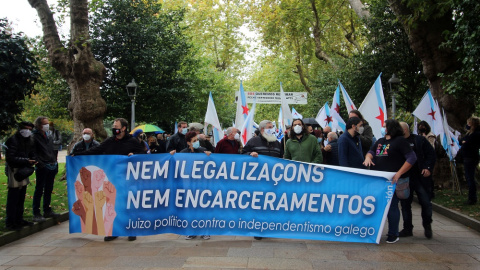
471, 202
26, 223
392, 239
109, 238
13, 227
258, 238
405, 233
428, 231
38, 218
50, 214
132, 238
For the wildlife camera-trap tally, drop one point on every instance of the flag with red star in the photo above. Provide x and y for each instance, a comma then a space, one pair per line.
374, 109
337, 121
348, 101
242, 108
428, 111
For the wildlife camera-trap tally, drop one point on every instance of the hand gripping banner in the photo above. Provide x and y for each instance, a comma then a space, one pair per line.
222, 194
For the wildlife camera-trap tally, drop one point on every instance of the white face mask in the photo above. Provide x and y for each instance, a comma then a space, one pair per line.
45, 127
86, 137
297, 129
25, 132
270, 131
360, 130
237, 137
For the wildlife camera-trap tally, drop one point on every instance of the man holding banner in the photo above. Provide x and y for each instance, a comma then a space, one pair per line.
265, 144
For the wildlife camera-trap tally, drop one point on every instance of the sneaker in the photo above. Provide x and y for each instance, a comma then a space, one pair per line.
206, 237
190, 237
132, 238
405, 233
392, 239
38, 218
51, 214
109, 238
258, 238
428, 231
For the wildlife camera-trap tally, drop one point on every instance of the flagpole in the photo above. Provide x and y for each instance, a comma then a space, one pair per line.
456, 182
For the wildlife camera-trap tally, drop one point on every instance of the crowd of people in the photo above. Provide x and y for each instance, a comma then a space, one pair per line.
411, 157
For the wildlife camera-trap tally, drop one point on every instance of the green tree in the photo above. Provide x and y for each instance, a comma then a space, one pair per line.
18, 75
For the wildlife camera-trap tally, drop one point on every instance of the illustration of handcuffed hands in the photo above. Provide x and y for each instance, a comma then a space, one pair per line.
97, 211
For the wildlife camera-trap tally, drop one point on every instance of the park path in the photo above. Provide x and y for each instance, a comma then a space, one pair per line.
454, 246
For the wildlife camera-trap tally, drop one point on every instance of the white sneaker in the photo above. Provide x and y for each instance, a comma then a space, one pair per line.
206, 237
190, 237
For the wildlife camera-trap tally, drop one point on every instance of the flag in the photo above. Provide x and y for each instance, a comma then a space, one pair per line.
286, 113
323, 117
415, 131
373, 107
242, 108
249, 125
211, 118
175, 128
296, 115
348, 101
449, 141
427, 110
280, 126
338, 123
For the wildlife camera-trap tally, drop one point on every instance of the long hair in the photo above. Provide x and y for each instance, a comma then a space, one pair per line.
393, 128
304, 130
426, 125
475, 122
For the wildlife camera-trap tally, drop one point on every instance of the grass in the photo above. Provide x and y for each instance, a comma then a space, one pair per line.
446, 198
59, 202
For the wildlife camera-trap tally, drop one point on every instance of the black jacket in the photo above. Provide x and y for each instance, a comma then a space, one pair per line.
82, 146
260, 145
470, 146
426, 157
177, 142
331, 158
43, 149
114, 146
19, 151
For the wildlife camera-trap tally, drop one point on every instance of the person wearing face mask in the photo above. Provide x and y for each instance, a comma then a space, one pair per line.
302, 146
229, 144
331, 150
204, 141
86, 143
365, 133
142, 139
424, 129
45, 170
20, 153
470, 145
177, 141
350, 146
265, 143
194, 147
121, 143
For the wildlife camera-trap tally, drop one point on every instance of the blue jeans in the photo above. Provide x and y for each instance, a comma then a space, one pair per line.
394, 215
419, 185
469, 166
44, 186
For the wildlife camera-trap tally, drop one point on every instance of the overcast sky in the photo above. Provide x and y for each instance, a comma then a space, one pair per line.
23, 17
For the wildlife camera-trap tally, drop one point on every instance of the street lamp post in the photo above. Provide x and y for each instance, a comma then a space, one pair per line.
393, 80
132, 93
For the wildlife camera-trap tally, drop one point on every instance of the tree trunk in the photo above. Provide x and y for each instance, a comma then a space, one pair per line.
359, 8
319, 53
76, 65
425, 38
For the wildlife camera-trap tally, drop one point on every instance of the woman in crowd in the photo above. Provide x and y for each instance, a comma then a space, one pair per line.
392, 153
302, 146
470, 145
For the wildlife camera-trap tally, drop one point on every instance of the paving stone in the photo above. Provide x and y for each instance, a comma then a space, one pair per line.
444, 258
399, 247
24, 250
217, 262
72, 242
379, 256
453, 248
86, 261
261, 252
310, 254
463, 266
37, 268
42, 261
106, 251
152, 261
319, 245
372, 265
5, 258
277, 263
227, 243
199, 251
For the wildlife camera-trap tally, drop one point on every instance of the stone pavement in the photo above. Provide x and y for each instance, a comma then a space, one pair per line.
454, 246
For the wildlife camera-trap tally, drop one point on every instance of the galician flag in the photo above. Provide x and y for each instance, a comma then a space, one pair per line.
296, 115
338, 123
280, 126
242, 108
428, 111
249, 125
211, 118
286, 113
449, 141
324, 118
348, 101
373, 107
175, 128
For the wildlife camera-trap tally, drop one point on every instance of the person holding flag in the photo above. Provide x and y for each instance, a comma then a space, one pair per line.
470, 145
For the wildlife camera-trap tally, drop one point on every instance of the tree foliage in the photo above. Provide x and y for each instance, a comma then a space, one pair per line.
18, 75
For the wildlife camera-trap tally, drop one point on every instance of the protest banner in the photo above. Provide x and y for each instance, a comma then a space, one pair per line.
220, 194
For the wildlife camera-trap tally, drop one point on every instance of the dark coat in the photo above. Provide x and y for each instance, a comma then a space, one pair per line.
20, 151
350, 151
225, 146
177, 142
260, 145
43, 149
331, 157
114, 146
82, 146
470, 146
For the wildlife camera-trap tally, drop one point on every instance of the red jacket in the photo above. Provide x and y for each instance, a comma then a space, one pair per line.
225, 146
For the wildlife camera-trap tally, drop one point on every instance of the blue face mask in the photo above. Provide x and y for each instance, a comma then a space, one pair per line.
184, 131
383, 131
319, 140
196, 144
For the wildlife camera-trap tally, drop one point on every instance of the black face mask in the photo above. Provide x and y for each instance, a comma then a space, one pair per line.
422, 130
116, 131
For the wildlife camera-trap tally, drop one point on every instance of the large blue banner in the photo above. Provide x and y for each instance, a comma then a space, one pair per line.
221, 194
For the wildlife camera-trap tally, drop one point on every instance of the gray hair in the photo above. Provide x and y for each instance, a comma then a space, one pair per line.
229, 130
332, 135
38, 122
264, 123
